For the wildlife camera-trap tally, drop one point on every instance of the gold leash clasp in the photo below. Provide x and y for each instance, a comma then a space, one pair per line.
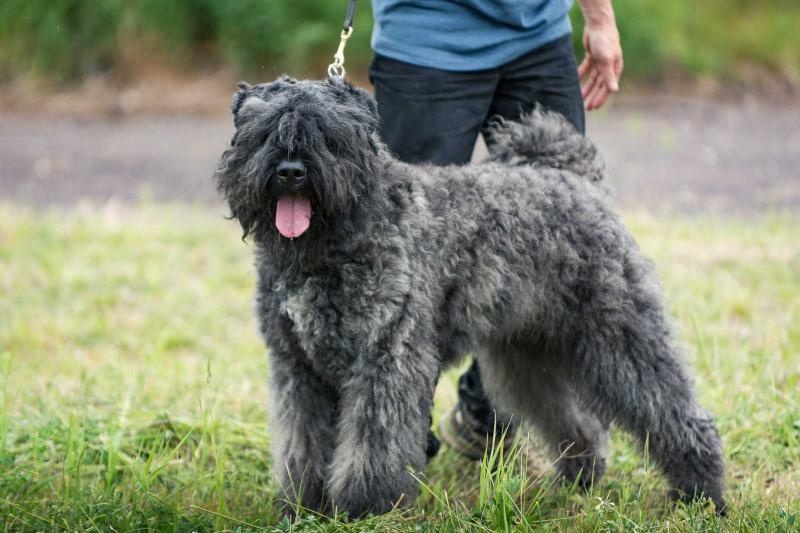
336, 69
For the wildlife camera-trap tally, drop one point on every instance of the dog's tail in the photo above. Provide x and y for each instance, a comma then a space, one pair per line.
544, 138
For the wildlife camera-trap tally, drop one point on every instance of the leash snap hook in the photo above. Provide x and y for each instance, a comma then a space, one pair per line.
336, 69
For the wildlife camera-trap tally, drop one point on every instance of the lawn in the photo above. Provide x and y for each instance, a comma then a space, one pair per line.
133, 384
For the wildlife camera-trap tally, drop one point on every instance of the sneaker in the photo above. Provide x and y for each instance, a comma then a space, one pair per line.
470, 436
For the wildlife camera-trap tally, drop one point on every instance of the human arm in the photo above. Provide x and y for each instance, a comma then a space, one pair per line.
602, 65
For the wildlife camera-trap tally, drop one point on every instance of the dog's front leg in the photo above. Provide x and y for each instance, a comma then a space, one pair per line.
303, 427
383, 427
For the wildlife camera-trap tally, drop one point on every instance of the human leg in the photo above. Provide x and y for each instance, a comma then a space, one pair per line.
546, 76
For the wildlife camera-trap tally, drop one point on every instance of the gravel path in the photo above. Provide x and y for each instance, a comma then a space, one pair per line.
663, 153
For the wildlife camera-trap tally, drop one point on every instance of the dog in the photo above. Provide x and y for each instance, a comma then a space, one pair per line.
373, 275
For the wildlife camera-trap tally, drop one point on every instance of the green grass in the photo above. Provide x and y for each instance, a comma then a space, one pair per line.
134, 385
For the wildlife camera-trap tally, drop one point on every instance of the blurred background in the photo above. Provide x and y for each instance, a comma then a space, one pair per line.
124, 98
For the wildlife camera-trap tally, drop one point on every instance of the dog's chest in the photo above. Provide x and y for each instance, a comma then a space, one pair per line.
337, 322
316, 323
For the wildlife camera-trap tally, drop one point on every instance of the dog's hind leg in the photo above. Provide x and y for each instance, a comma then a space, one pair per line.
627, 365
384, 421
524, 380
302, 427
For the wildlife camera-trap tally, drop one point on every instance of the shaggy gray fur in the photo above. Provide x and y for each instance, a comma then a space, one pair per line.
405, 269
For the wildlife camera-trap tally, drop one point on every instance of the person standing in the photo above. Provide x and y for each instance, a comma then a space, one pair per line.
442, 68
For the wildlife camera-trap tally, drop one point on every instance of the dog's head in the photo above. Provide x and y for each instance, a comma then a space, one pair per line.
303, 154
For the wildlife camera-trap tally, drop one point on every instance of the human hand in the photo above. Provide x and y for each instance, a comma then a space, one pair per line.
602, 65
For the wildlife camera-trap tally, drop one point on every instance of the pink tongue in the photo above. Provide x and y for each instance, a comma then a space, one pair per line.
293, 215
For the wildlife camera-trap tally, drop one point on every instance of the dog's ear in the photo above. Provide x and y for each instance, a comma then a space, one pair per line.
363, 98
262, 91
285, 78
240, 96
344, 89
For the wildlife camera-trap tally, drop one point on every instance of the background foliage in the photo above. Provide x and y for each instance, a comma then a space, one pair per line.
63, 40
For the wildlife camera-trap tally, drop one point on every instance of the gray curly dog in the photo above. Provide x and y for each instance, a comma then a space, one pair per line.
374, 275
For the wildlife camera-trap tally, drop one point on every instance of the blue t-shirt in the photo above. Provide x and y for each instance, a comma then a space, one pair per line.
465, 35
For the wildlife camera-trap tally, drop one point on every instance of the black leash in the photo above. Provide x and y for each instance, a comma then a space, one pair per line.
351, 12
336, 69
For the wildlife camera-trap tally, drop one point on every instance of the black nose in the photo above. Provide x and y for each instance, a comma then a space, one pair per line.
291, 171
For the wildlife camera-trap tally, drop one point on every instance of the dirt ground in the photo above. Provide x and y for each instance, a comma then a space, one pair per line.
687, 154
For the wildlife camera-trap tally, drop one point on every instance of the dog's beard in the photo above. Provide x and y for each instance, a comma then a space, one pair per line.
293, 215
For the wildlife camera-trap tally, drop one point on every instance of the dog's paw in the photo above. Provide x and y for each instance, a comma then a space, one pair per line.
712, 499
356, 504
358, 500
583, 470
291, 507
286, 508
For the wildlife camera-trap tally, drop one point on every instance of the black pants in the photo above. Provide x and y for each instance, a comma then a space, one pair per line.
431, 115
